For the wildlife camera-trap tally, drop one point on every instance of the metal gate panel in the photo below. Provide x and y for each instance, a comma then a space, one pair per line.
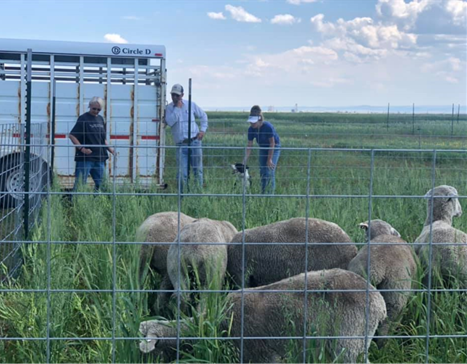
10, 102
148, 134
66, 114
121, 125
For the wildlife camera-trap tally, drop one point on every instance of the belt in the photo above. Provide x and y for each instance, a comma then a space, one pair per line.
186, 141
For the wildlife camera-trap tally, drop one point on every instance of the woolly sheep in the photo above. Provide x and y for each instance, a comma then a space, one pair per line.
449, 260
391, 266
160, 228
210, 261
265, 264
282, 314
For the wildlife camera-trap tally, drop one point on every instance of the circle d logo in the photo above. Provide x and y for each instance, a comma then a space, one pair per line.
116, 50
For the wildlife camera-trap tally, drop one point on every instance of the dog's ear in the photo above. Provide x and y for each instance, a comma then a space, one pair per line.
234, 167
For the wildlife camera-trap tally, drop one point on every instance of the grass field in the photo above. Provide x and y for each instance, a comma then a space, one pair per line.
77, 301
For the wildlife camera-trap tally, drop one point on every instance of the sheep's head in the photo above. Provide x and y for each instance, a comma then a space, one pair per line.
379, 227
152, 330
445, 203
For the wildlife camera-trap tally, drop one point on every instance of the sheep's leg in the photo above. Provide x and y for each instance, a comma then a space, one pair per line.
163, 298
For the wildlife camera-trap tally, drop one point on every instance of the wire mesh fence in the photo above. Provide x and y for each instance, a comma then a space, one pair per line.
107, 279
17, 166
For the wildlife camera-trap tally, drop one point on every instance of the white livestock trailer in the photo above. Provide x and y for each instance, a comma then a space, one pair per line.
64, 77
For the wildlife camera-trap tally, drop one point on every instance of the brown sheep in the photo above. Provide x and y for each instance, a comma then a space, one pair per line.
209, 260
392, 267
270, 314
449, 250
160, 228
283, 258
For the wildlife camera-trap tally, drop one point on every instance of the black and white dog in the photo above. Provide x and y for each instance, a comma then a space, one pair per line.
242, 173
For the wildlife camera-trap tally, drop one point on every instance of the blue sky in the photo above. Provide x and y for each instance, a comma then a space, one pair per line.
277, 52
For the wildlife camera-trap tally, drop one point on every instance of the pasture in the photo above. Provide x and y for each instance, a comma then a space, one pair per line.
78, 297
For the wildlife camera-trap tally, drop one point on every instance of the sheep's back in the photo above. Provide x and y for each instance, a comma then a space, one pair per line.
285, 253
159, 228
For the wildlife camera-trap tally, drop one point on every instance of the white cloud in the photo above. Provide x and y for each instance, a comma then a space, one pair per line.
458, 10
216, 16
361, 39
131, 17
285, 19
298, 2
448, 70
239, 14
404, 13
115, 38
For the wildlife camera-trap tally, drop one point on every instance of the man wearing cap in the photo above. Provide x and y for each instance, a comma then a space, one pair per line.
269, 141
176, 116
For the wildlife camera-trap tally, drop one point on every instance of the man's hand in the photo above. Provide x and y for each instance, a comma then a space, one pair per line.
86, 151
270, 164
111, 150
200, 135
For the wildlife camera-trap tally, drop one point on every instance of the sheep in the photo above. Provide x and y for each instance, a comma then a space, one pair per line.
160, 228
208, 260
449, 260
282, 314
392, 267
283, 258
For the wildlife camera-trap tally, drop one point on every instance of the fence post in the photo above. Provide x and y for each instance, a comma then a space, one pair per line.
452, 121
189, 137
27, 149
52, 132
387, 121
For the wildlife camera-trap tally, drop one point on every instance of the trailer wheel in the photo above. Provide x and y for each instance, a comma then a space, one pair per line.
12, 183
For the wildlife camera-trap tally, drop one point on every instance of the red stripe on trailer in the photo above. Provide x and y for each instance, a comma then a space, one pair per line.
156, 120
60, 136
120, 137
150, 137
18, 135
158, 54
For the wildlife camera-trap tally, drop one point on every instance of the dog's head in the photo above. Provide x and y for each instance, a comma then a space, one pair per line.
241, 171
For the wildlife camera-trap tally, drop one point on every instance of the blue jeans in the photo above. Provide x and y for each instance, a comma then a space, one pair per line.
196, 162
268, 176
84, 168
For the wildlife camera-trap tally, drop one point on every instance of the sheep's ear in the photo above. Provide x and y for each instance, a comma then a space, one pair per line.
395, 232
363, 225
428, 194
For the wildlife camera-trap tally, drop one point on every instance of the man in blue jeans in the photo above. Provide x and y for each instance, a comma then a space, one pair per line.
90, 130
269, 141
176, 116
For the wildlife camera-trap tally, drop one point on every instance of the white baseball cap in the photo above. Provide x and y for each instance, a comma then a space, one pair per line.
177, 89
253, 119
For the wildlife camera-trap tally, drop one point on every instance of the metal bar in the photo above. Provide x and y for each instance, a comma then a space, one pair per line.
27, 150
189, 136
430, 262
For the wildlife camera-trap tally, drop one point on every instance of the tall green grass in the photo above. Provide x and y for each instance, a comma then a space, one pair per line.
82, 277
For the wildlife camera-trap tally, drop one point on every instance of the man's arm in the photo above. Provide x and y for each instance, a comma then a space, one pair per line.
170, 116
203, 118
248, 151
110, 149
272, 144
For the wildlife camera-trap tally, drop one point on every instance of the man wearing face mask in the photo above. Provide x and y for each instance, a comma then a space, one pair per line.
176, 116
90, 130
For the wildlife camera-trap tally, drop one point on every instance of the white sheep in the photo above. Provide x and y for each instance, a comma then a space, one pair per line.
449, 248
204, 253
162, 227
284, 255
273, 314
392, 267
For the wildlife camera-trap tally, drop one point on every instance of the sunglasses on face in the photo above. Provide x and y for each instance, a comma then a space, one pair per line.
175, 95
95, 109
